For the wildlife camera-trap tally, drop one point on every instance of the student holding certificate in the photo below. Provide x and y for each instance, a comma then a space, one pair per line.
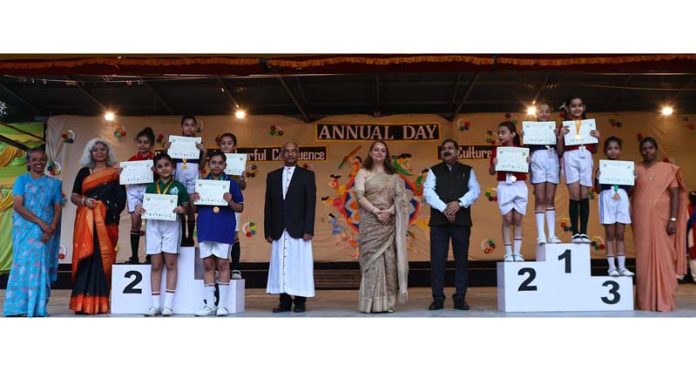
144, 140
512, 194
545, 176
216, 226
577, 165
228, 144
614, 212
187, 172
162, 237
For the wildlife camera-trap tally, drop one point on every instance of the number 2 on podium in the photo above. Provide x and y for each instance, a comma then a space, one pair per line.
130, 288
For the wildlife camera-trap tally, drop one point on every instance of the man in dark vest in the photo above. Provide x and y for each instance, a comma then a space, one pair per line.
450, 189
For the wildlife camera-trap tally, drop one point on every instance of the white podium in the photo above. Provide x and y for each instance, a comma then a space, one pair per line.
131, 292
560, 281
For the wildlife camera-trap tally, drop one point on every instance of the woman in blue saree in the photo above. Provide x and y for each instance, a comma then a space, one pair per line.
35, 237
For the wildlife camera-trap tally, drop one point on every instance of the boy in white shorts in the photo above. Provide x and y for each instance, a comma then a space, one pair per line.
614, 213
162, 237
216, 230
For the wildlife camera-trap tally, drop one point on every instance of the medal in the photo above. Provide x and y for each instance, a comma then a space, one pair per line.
216, 209
578, 125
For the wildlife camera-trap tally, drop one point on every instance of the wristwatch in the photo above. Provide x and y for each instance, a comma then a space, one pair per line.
461, 204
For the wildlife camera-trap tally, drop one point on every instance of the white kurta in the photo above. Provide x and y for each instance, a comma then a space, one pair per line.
291, 268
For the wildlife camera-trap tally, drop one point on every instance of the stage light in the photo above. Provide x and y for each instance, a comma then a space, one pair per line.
667, 110
531, 110
109, 116
240, 113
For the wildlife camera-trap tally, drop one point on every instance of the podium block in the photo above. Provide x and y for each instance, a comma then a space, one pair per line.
560, 281
131, 291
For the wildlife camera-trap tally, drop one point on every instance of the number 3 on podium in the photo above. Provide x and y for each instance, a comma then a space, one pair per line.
613, 291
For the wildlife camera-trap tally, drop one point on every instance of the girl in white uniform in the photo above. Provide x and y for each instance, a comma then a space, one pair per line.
577, 166
512, 195
614, 213
544, 176
145, 141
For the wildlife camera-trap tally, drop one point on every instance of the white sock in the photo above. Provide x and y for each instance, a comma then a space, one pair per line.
508, 249
551, 221
223, 294
168, 299
622, 261
155, 299
210, 295
540, 225
610, 259
518, 246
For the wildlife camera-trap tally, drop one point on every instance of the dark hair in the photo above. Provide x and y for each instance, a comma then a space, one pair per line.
541, 102
612, 139
234, 138
450, 140
31, 151
648, 139
188, 117
388, 167
160, 156
216, 152
692, 197
147, 132
566, 107
511, 127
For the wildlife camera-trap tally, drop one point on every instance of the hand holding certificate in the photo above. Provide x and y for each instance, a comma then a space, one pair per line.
579, 132
184, 147
159, 207
542, 132
512, 159
236, 163
212, 192
616, 172
136, 172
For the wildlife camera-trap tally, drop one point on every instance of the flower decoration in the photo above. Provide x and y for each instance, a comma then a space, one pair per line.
68, 136
487, 245
249, 229
598, 243
54, 168
492, 194
251, 173
276, 131
565, 224
120, 132
160, 139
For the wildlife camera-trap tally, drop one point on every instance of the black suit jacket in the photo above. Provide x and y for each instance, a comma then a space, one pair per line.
296, 212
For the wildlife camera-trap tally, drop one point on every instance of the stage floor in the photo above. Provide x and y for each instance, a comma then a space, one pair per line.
343, 303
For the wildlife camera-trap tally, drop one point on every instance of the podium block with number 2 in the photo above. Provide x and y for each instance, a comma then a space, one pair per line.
560, 281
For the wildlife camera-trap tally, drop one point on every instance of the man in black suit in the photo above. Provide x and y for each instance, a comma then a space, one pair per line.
289, 227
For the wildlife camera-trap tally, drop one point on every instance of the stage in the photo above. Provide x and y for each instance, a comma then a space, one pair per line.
343, 303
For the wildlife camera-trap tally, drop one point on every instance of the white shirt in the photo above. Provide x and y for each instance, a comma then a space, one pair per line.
465, 201
287, 177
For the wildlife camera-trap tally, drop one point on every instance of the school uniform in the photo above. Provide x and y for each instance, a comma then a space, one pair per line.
216, 224
512, 190
165, 235
544, 166
611, 210
187, 172
577, 164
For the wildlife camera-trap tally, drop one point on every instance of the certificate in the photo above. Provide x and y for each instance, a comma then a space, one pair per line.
211, 191
159, 207
616, 172
542, 132
236, 163
184, 147
136, 172
512, 159
579, 132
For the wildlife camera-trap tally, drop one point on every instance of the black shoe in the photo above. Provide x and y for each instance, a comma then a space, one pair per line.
437, 305
300, 308
133, 260
461, 304
281, 308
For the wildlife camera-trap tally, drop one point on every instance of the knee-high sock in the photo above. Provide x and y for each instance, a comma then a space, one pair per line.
135, 243
191, 226
517, 247
539, 215
155, 299
573, 210
210, 295
223, 287
551, 221
168, 298
584, 214
622, 261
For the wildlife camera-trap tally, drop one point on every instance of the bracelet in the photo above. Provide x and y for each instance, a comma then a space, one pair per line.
672, 219
82, 201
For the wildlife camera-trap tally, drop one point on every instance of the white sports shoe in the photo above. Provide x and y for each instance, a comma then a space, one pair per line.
153, 311
518, 257
625, 272
206, 311
585, 238
577, 238
553, 239
167, 312
508, 258
236, 275
221, 312
541, 241
613, 272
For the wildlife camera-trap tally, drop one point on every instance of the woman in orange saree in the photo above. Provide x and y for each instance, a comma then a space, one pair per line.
659, 214
100, 200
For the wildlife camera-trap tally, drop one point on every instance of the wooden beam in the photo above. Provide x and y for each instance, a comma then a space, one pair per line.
228, 92
88, 93
158, 97
292, 97
541, 87
469, 89
13, 143
22, 131
19, 98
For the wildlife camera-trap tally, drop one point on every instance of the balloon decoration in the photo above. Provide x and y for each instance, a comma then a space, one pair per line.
598, 243
249, 229
120, 132
54, 168
160, 139
276, 131
463, 125
251, 173
492, 194
615, 123
565, 224
490, 137
68, 136
487, 245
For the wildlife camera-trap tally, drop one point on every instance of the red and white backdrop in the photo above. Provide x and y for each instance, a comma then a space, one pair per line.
332, 147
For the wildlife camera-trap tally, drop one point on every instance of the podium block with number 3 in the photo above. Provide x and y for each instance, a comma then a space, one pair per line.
560, 281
